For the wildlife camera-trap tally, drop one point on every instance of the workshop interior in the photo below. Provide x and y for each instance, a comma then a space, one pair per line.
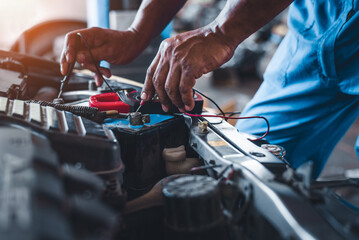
81, 161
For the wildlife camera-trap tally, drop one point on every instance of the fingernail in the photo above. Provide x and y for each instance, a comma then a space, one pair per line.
144, 96
80, 57
62, 69
181, 110
106, 73
164, 108
67, 57
97, 80
188, 108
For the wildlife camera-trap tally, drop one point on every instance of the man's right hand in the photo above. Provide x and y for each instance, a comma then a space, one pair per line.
116, 47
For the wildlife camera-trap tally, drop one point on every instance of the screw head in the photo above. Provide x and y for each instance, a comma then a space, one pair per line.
257, 154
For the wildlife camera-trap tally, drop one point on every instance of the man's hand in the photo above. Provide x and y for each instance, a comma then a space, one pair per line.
120, 47
186, 57
113, 46
180, 61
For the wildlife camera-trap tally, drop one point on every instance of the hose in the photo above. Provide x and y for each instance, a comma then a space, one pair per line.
90, 113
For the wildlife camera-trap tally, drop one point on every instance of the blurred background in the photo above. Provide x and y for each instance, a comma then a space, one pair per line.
37, 27
16, 16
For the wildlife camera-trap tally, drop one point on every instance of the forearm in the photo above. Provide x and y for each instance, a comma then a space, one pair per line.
240, 18
153, 16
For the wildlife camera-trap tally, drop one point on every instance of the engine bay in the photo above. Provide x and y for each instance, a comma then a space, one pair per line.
93, 167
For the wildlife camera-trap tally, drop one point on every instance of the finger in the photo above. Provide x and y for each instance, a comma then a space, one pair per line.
98, 79
185, 87
72, 45
105, 72
84, 56
159, 80
148, 90
172, 87
63, 64
69, 51
97, 76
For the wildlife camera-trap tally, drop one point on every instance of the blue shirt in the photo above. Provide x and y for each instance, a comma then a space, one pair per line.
323, 43
310, 92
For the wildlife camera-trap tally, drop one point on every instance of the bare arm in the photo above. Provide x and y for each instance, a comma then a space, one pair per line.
184, 58
240, 18
153, 16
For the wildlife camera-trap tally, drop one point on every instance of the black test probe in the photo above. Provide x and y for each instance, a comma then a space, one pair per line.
67, 77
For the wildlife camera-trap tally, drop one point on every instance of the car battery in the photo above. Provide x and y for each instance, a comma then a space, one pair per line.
142, 146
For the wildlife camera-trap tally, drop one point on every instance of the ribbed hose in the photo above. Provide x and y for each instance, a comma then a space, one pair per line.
87, 112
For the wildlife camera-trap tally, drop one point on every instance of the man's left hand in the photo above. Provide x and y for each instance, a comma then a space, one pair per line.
180, 61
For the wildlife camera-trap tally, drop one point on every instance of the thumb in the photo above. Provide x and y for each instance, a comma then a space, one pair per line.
148, 90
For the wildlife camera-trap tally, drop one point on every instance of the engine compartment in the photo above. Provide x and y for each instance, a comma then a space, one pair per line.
71, 171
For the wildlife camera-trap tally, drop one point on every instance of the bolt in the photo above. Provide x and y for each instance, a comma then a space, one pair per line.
136, 119
257, 154
78, 165
203, 126
276, 150
146, 118
92, 85
58, 101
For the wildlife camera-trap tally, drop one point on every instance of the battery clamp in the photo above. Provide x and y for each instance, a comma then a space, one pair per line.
128, 101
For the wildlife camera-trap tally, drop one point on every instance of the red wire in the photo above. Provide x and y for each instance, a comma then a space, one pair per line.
229, 175
250, 117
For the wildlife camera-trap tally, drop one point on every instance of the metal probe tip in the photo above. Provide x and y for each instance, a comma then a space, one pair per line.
141, 104
61, 89
60, 93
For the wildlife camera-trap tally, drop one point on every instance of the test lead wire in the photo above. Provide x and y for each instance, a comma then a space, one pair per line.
97, 68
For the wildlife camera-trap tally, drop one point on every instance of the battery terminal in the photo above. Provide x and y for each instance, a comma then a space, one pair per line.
203, 126
137, 118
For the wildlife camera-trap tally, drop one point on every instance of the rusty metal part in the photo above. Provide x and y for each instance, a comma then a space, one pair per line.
146, 118
276, 150
58, 101
136, 119
203, 126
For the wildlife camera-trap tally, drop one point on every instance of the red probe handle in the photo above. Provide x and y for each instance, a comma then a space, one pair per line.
108, 101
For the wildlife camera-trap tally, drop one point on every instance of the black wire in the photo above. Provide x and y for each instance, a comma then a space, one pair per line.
94, 63
234, 113
210, 100
100, 74
87, 112
195, 169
